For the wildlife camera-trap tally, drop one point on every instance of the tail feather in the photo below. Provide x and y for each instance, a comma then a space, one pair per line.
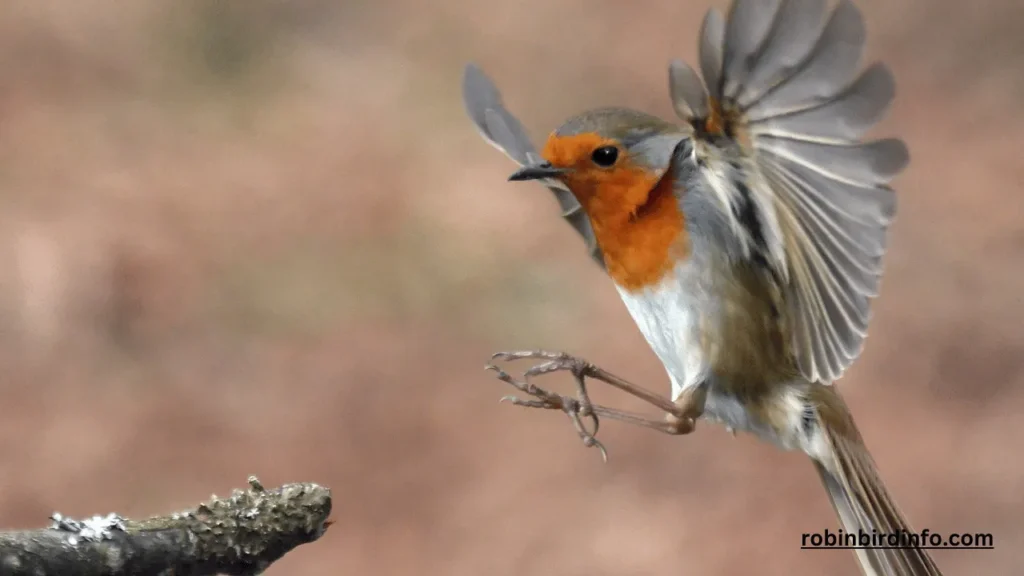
863, 504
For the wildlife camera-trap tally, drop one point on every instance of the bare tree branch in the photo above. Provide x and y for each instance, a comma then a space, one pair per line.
238, 535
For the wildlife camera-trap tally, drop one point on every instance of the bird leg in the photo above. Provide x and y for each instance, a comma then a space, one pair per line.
680, 416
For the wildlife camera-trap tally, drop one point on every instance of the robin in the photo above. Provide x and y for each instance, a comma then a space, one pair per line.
746, 241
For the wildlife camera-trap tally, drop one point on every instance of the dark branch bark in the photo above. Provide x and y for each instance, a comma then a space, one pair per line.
238, 535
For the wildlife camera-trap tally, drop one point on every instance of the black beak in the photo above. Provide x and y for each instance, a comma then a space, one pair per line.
536, 172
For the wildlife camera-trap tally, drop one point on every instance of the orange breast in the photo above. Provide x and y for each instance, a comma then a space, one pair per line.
641, 243
635, 215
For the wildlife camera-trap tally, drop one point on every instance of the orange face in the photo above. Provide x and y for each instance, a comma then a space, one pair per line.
600, 173
635, 215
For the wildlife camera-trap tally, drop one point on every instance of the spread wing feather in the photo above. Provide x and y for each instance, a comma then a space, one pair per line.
784, 74
503, 131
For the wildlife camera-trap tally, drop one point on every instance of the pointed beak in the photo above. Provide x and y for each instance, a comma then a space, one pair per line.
536, 172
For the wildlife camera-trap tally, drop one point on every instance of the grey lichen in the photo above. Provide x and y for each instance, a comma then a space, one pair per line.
242, 534
95, 529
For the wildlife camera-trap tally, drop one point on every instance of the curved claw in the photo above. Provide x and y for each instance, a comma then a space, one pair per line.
500, 374
595, 443
577, 409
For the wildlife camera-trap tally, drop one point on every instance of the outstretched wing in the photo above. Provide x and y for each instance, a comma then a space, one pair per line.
503, 131
781, 79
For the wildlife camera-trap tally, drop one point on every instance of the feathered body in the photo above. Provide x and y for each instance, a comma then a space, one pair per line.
692, 269
709, 311
747, 241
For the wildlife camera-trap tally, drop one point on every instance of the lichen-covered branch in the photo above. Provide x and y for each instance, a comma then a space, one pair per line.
238, 535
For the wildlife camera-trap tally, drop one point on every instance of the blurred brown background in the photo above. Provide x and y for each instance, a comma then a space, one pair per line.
262, 237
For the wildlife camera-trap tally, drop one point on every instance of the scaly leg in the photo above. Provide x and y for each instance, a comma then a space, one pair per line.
680, 416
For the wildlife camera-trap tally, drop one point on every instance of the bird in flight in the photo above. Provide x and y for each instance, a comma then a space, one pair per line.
746, 239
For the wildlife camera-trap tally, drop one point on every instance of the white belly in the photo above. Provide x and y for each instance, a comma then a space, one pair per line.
669, 316
672, 316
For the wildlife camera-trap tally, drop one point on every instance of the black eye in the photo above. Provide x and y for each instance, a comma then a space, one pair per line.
605, 156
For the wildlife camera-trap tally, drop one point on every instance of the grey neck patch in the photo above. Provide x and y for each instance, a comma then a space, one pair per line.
656, 151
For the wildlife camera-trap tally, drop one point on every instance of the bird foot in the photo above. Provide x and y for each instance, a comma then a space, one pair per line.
680, 418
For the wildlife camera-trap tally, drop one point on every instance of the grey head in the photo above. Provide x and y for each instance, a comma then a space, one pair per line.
648, 141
